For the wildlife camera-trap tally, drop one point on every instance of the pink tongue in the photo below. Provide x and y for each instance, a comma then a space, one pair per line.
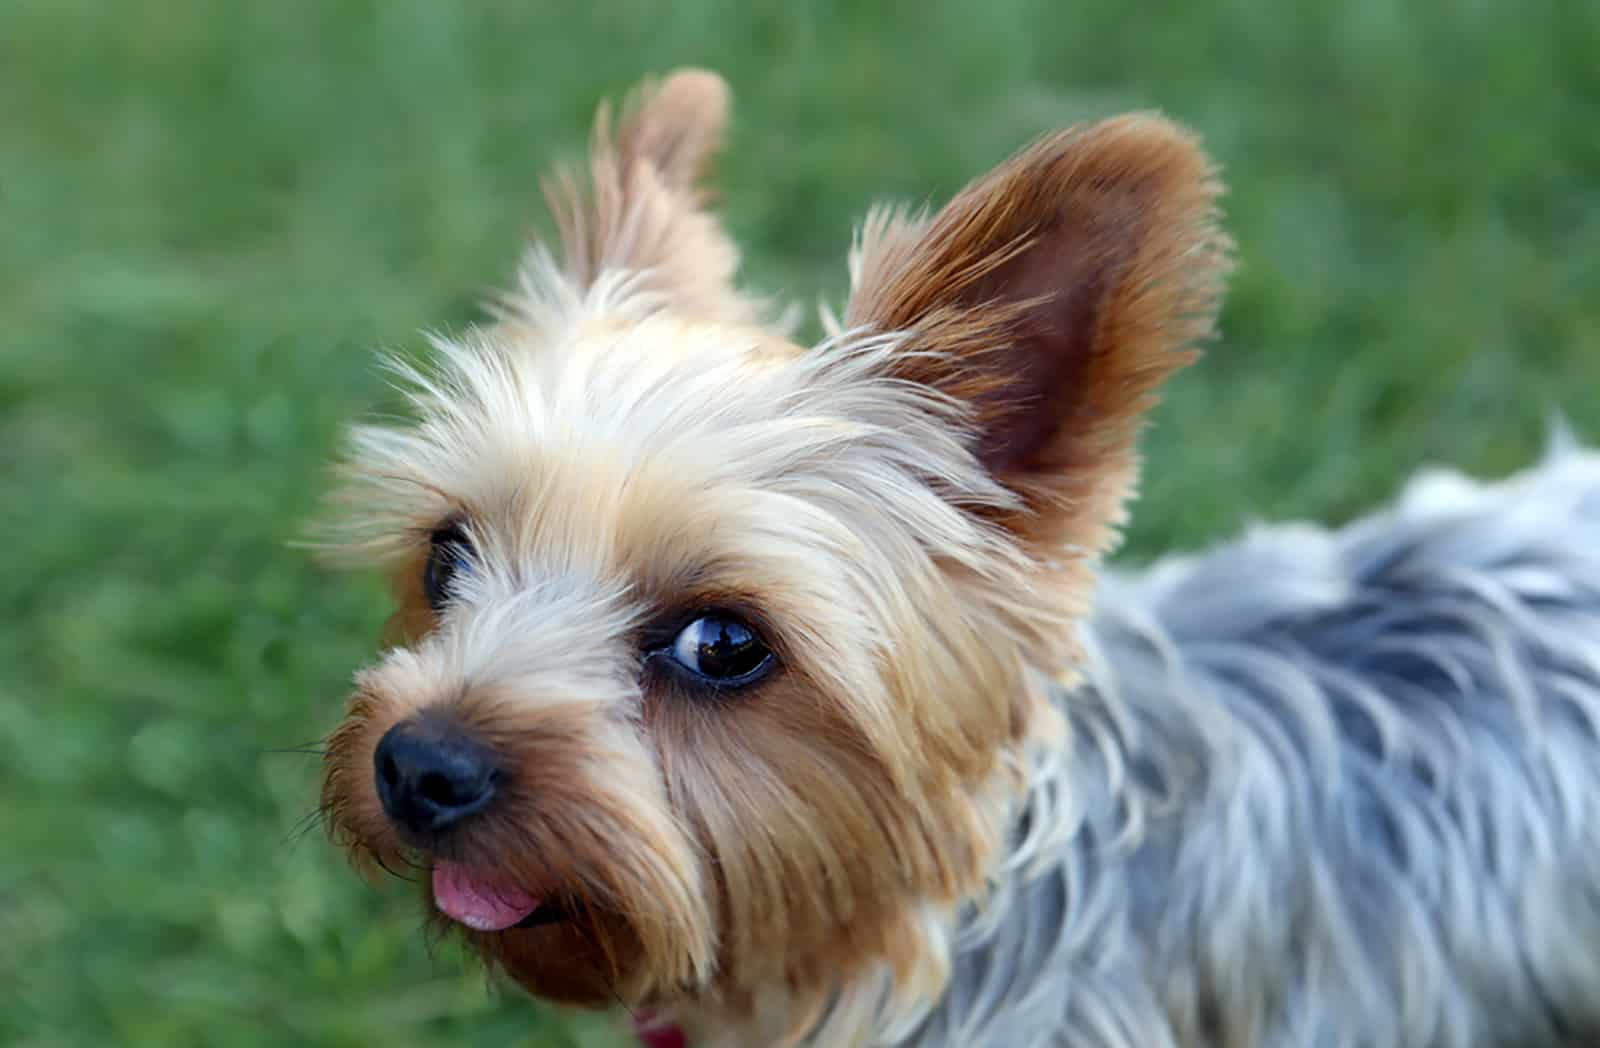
466, 897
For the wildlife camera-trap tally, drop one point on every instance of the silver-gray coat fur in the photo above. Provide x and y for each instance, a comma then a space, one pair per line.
1325, 788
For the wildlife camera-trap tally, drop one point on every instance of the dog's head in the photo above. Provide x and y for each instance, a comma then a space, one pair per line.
717, 657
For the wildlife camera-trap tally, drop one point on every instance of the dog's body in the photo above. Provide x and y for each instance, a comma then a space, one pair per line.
753, 685
1325, 788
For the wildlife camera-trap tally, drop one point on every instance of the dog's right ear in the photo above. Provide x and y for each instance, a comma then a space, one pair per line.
1051, 297
641, 210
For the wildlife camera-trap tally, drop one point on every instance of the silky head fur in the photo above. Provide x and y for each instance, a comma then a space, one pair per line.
910, 512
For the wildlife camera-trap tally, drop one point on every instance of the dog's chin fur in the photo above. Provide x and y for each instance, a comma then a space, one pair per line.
909, 513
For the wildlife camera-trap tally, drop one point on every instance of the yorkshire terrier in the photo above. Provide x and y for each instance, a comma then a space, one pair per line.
777, 693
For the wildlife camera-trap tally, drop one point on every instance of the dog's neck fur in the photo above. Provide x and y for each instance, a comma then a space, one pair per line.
1282, 801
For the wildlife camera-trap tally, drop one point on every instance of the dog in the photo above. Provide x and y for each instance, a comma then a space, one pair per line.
781, 694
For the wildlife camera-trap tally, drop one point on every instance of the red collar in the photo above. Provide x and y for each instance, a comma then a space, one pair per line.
654, 1034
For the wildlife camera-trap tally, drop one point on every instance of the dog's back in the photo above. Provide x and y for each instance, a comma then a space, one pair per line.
1326, 788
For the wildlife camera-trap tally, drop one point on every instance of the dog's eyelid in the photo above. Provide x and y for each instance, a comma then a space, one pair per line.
456, 525
661, 628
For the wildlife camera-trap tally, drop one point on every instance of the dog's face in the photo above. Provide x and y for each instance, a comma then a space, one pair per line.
717, 657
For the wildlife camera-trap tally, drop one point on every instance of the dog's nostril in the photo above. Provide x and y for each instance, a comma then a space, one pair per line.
440, 790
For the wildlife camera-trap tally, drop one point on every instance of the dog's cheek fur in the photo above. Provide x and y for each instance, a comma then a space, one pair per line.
413, 615
586, 807
820, 859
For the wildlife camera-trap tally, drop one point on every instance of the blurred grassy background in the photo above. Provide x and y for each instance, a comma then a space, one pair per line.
211, 214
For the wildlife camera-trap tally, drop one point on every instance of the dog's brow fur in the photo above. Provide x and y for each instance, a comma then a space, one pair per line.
1237, 805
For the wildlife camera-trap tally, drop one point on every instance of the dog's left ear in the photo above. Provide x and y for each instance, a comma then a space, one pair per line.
642, 208
1052, 296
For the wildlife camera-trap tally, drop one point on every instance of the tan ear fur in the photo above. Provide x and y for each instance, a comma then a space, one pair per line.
1052, 296
642, 210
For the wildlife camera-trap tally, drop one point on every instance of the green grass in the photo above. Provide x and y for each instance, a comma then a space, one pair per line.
211, 214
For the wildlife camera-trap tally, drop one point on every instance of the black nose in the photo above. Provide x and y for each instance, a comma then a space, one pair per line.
430, 777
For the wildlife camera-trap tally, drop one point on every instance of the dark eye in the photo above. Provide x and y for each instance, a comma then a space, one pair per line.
450, 557
722, 650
